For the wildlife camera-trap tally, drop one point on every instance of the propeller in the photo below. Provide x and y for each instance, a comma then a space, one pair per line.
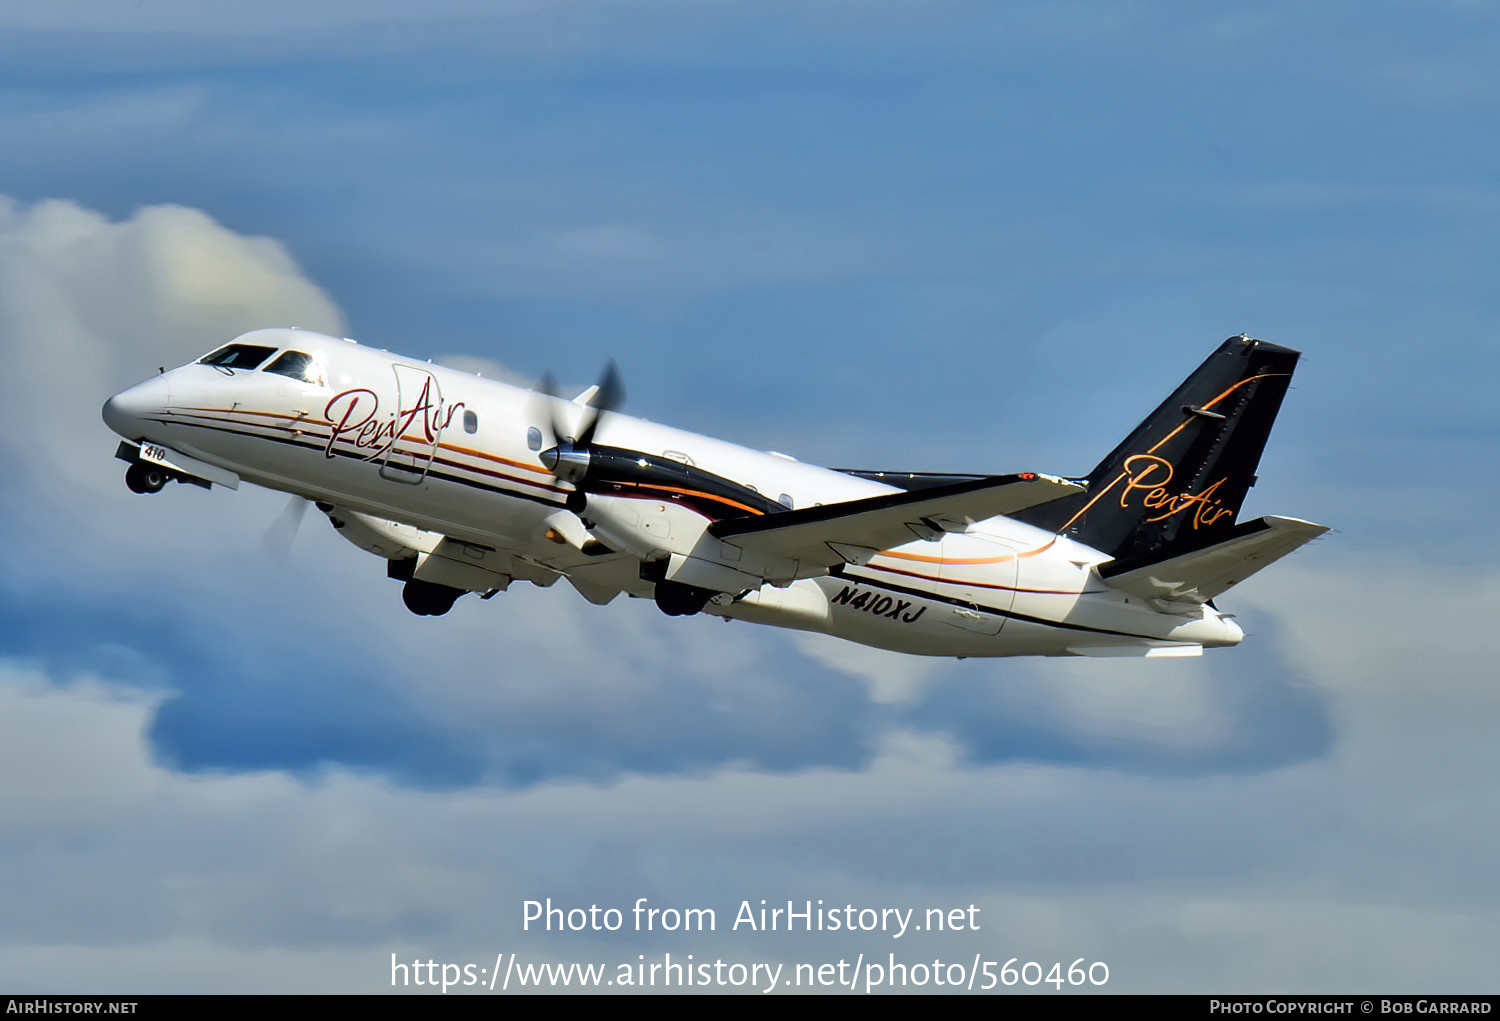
279, 536
568, 457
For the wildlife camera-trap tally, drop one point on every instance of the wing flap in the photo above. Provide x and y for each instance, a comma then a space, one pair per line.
855, 530
1202, 574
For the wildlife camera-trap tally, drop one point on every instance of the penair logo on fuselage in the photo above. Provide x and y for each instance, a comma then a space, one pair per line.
355, 417
1146, 479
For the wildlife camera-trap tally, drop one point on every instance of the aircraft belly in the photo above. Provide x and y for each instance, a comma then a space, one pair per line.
938, 638
858, 607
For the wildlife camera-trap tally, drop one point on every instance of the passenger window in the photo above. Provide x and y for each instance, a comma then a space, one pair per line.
471, 423
534, 438
786, 501
297, 365
237, 356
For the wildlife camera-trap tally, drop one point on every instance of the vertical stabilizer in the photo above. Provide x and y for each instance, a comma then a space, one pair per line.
1177, 482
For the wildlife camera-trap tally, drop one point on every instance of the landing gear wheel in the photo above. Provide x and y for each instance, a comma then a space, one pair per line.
426, 599
678, 600
145, 478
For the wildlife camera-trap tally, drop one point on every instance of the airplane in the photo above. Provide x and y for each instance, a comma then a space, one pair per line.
465, 485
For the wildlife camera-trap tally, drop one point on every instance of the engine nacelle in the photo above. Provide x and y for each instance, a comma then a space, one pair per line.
645, 528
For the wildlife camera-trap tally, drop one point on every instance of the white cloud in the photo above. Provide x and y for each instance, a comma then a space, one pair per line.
88, 306
260, 882
1388, 628
67, 759
1173, 704
892, 677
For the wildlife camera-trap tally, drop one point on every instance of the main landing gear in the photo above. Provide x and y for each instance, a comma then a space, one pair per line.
678, 600
144, 477
426, 599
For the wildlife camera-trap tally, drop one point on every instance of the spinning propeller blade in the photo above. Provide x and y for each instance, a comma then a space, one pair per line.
279, 536
568, 456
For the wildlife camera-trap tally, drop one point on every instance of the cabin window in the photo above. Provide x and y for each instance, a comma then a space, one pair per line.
237, 356
471, 423
298, 366
534, 438
786, 501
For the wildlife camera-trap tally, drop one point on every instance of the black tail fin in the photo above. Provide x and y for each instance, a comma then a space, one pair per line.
1178, 480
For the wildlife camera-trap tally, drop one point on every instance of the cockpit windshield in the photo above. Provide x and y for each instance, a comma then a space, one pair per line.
298, 366
238, 356
292, 364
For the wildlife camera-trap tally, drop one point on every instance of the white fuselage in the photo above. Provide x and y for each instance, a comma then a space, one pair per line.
455, 455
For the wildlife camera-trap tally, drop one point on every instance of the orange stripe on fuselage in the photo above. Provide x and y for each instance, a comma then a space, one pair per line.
1002, 558
972, 584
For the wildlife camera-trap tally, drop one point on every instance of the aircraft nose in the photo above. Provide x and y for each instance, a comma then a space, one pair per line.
126, 411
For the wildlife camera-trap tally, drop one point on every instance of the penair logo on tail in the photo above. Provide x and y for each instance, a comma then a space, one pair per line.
1146, 479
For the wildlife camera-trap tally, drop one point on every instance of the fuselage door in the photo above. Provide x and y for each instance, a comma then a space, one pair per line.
981, 574
418, 426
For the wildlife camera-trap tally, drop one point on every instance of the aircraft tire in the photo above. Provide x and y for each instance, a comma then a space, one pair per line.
678, 600
426, 599
145, 478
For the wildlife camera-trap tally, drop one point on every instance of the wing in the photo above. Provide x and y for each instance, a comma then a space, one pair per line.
852, 532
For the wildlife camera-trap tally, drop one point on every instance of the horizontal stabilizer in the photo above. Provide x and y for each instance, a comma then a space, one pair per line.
1202, 574
854, 531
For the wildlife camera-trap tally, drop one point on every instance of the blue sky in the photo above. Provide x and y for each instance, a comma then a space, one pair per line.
966, 237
